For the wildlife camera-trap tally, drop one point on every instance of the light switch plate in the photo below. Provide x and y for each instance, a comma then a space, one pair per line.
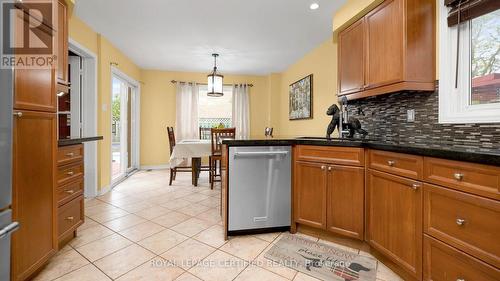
410, 115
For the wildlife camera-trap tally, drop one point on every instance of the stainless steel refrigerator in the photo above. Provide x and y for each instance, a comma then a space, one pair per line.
7, 226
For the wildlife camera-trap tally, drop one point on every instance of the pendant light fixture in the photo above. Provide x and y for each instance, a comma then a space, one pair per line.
215, 81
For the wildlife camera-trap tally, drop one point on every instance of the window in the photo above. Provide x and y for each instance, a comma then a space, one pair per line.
214, 111
476, 97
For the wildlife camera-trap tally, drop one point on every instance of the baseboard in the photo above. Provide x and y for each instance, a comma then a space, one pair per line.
156, 167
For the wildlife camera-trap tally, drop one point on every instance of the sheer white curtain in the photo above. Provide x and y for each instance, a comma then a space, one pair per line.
186, 122
241, 111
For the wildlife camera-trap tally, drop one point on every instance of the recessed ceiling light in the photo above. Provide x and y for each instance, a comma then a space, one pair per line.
314, 6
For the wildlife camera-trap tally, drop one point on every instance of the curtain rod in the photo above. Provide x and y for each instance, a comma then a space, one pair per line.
175, 81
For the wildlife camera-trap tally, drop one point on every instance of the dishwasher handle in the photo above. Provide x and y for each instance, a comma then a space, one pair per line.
259, 153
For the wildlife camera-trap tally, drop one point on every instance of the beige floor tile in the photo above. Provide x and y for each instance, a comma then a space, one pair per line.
273, 266
61, 264
191, 227
193, 209
108, 215
253, 272
244, 247
92, 202
124, 222
96, 209
88, 223
211, 215
86, 273
129, 200
210, 192
219, 266
103, 247
176, 204
196, 197
153, 212
188, 253
213, 236
171, 219
162, 241
141, 231
110, 196
269, 237
156, 269
386, 274
90, 234
136, 207
124, 260
186, 276
210, 202
303, 277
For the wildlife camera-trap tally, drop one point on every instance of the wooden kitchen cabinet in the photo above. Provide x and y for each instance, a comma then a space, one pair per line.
351, 54
345, 201
33, 200
398, 53
310, 196
62, 43
394, 219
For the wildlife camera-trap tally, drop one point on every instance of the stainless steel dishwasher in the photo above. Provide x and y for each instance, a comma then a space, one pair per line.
259, 189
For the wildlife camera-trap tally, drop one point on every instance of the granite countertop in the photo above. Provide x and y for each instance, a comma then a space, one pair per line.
432, 148
78, 140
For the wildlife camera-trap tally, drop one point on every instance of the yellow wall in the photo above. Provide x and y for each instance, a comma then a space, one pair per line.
322, 63
158, 109
106, 53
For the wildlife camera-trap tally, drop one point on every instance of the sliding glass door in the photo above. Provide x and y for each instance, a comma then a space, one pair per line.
122, 129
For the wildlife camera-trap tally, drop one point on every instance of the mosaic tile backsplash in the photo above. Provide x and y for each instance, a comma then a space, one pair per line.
385, 118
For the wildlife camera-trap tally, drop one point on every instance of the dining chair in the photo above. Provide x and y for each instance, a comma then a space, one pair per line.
204, 133
180, 169
216, 137
268, 132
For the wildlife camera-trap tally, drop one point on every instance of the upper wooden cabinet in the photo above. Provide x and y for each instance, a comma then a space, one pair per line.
390, 49
352, 50
62, 43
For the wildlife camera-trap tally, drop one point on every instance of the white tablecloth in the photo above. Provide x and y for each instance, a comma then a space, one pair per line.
187, 149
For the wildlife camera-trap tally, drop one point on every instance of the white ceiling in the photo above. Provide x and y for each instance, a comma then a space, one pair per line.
252, 36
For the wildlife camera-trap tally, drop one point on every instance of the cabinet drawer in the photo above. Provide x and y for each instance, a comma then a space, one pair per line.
68, 173
69, 154
69, 191
468, 222
70, 216
444, 263
474, 178
404, 165
352, 156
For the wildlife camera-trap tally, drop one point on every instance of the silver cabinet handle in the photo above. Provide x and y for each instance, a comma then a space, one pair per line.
460, 222
415, 186
18, 114
329, 168
323, 167
70, 173
9, 229
70, 218
458, 176
391, 163
260, 153
71, 191
71, 154
460, 279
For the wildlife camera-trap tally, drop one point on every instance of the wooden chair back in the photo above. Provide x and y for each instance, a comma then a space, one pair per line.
217, 134
204, 133
171, 138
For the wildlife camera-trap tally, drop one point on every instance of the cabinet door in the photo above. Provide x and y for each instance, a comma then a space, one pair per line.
33, 203
351, 55
394, 224
345, 203
62, 43
384, 39
310, 194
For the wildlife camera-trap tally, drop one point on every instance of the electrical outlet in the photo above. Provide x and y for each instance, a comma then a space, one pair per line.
410, 115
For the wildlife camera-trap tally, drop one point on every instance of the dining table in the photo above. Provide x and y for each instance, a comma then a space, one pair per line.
193, 149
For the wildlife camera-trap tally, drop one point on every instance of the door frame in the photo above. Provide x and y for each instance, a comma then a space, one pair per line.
89, 115
134, 119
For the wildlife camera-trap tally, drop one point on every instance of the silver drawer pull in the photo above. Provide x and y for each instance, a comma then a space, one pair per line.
323, 167
458, 176
415, 186
71, 154
18, 114
460, 222
71, 191
70, 218
460, 279
329, 168
391, 163
70, 173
